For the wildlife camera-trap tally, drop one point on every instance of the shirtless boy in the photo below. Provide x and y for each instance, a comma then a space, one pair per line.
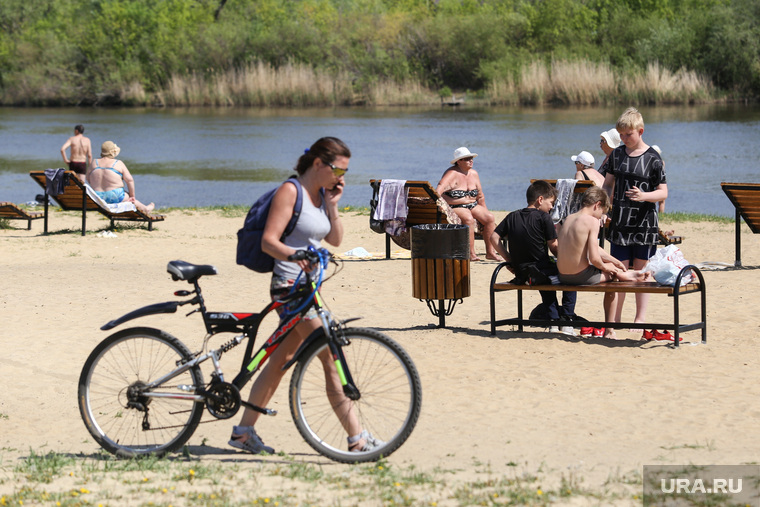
81, 152
580, 259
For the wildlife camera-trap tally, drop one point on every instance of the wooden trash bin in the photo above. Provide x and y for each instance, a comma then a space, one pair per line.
440, 266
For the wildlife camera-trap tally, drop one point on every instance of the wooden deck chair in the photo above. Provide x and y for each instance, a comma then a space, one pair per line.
746, 200
12, 212
425, 207
75, 198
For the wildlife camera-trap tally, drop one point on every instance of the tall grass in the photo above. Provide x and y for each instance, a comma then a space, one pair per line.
590, 83
262, 85
579, 82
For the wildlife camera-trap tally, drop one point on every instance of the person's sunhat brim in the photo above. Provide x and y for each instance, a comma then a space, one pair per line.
461, 153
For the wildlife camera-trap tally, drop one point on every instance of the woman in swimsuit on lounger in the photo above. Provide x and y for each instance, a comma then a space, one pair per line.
460, 188
107, 177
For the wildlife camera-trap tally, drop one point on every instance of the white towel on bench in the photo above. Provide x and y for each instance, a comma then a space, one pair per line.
119, 207
391, 200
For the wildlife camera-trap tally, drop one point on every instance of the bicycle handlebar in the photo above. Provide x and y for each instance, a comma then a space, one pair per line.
319, 256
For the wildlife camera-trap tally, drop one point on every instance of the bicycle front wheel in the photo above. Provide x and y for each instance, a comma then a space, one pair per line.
388, 405
123, 416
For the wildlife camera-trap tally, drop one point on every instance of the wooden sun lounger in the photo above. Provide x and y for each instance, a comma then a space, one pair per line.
746, 200
423, 209
10, 211
75, 198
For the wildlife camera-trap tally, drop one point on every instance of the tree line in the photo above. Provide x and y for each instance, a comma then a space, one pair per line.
83, 52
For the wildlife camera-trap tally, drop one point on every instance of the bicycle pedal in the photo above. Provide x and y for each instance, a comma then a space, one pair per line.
265, 411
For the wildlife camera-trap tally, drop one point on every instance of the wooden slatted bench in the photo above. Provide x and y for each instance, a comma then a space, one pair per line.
629, 287
746, 200
10, 211
423, 204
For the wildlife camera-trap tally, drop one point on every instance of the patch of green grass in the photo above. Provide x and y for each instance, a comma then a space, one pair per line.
5, 223
680, 216
44, 468
191, 480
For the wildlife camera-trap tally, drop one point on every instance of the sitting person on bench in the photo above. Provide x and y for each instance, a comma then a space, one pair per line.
107, 177
528, 233
460, 188
581, 261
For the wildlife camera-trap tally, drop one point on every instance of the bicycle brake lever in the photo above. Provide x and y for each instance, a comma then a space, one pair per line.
192, 312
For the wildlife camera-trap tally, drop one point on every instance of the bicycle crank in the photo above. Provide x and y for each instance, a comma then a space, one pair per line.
222, 400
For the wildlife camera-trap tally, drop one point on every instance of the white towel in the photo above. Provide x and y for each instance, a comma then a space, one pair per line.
119, 207
391, 200
565, 191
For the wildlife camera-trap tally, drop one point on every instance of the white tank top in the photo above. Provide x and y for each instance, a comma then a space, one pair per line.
312, 226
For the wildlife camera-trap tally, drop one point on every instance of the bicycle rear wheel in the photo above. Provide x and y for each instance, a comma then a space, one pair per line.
388, 407
111, 397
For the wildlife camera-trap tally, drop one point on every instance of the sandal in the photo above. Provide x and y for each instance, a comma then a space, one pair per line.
364, 442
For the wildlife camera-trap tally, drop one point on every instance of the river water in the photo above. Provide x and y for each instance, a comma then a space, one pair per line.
202, 157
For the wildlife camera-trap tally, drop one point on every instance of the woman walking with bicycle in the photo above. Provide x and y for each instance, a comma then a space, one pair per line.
320, 172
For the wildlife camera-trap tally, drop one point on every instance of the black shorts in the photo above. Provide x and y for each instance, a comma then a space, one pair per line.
78, 167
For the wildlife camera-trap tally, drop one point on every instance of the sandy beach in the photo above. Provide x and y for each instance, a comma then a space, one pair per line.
549, 405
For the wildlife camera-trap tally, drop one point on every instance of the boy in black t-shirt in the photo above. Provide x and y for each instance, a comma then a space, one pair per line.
529, 232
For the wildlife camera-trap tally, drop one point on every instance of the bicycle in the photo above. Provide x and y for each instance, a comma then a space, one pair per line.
141, 390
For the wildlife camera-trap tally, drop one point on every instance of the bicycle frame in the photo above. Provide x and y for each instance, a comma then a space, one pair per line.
247, 325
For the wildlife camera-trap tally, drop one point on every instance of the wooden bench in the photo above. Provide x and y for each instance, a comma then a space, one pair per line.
425, 207
746, 200
629, 287
75, 198
10, 211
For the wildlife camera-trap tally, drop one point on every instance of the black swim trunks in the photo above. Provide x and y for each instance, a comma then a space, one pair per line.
78, 167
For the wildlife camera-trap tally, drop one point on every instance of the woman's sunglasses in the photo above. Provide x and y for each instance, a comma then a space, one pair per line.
338, 171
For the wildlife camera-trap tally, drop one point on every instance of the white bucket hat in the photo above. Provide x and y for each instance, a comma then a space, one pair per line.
462, 152
611, 137
584, 157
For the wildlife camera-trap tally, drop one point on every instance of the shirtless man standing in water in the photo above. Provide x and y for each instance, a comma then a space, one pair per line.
81, 152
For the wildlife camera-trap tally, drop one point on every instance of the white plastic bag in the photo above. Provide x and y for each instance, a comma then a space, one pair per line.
665, 265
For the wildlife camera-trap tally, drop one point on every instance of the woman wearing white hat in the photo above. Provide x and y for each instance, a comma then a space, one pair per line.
460, 188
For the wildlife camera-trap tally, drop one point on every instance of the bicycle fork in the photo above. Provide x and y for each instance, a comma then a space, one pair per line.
331, 329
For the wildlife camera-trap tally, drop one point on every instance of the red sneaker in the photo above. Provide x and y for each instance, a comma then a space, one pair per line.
665, 336
599, 332
587, 331
648, 335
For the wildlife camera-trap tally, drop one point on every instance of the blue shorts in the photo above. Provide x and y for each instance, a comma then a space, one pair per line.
631, 252
112, 196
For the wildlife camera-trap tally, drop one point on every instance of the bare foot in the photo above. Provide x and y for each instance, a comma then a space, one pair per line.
475, 258
610, 333
494, 257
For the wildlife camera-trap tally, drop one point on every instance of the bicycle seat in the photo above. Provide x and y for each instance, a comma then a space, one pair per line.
181, 270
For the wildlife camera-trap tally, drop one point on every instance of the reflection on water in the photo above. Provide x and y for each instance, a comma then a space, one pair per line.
199, 157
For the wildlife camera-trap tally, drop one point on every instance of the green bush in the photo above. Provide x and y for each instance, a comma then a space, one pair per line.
91, 51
